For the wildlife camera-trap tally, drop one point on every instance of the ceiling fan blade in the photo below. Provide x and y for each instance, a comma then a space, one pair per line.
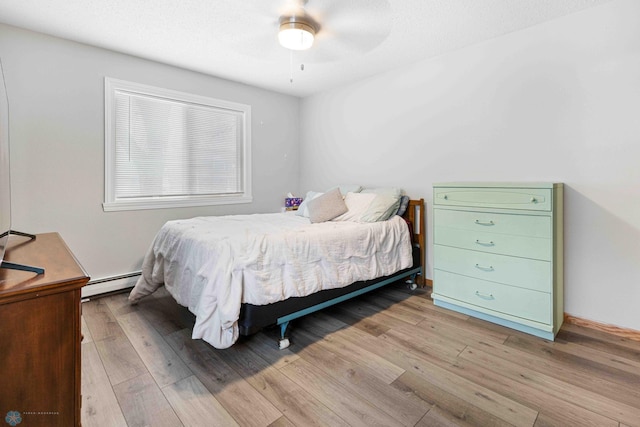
348, 27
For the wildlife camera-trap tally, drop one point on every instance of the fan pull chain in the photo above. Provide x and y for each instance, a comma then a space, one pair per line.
291, 66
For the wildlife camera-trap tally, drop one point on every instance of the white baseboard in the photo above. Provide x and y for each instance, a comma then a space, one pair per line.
110, 284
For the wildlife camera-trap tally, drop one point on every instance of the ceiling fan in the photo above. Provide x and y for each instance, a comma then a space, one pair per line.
322, 30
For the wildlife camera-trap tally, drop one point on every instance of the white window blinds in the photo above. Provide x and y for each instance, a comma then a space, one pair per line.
174, 149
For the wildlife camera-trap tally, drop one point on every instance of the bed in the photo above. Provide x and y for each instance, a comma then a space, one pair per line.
241, 273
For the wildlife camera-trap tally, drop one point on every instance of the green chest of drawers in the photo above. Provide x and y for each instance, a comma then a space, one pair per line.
498, 253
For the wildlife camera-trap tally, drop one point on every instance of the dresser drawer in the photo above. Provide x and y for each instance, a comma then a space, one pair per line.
519, 225
523, 303
503, 244
521, 272
537, 199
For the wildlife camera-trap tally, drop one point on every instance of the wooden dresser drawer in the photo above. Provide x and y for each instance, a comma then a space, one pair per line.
500, 223
521, 272
503, 244
533, 199
511, 300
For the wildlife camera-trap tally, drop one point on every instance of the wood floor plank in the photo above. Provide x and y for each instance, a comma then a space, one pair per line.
99, 404
556, 411
464, 330
560, 420
384, 298
621, 347
119, 304
425, 303
86, 333
363, 323
161, 361
267, 347
394, 309
224, 383
421, 305
165, 314
100, 320
143, 403
507, 409
609, 355
423, 292
120, 359
390, 318
362, 310
456, 408
298, 406
598, 338
482, 397
404, 407
356, 412
282, 422
426, 341
562, 413
380, 367
392, 350
576, 370
395, 294
436, 417
599, 356
321, 321
484, 325
195, 406
555, 386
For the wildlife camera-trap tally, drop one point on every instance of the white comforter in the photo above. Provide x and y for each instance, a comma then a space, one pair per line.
213, 264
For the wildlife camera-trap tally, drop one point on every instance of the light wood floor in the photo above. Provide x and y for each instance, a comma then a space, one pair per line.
388, 358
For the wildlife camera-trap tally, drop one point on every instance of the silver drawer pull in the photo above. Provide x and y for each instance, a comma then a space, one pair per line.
484, 296
485, 243
484, 223
534, 200
484, 268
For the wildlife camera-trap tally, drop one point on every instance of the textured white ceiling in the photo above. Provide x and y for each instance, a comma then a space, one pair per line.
237, 39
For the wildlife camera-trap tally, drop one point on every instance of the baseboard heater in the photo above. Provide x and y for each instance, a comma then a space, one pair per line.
110, 284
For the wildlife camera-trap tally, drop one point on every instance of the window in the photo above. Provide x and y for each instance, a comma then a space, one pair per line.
171, 149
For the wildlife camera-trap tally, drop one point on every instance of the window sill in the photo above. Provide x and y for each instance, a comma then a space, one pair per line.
167, 203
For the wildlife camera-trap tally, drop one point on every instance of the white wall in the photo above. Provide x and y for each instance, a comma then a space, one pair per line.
56, 96
555, 102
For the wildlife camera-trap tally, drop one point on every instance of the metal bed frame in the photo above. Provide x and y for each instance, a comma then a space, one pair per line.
253, 317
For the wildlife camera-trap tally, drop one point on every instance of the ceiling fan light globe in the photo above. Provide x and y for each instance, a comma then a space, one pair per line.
296, 35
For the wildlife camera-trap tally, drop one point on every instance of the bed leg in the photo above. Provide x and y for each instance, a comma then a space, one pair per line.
411, 282
284, 342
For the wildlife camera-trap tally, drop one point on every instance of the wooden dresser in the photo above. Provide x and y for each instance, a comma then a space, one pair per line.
498, 253
40, 333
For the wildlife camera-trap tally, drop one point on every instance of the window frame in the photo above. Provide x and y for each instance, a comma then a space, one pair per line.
112, 203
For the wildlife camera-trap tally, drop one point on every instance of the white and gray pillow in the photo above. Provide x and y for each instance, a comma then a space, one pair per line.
327, 206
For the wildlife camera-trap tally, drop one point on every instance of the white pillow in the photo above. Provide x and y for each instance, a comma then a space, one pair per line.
381, 208
303, 209
357, 205
385, 205
385, 191
345, 189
